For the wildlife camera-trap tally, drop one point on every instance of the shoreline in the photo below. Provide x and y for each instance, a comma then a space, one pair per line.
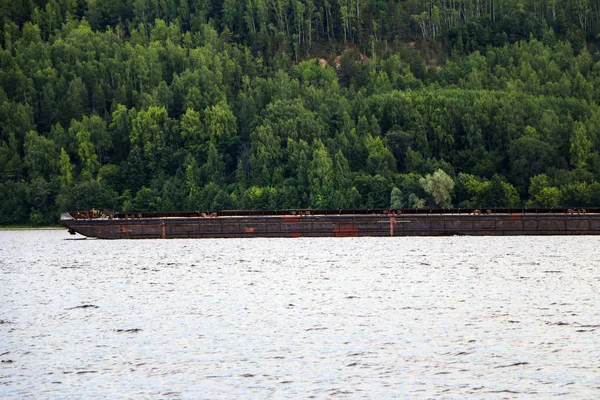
30, 228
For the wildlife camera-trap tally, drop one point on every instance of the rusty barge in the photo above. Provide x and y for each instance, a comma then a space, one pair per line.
332, 223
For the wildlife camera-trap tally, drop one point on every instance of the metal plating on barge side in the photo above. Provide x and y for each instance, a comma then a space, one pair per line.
333, 223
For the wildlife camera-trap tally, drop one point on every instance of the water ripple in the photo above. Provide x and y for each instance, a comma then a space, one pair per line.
457, 317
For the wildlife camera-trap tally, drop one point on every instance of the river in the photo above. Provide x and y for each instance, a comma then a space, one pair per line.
453, 317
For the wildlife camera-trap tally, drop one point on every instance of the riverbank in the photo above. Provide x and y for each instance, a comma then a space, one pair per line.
27, 228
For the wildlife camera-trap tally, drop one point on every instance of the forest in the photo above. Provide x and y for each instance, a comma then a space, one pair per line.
167, 105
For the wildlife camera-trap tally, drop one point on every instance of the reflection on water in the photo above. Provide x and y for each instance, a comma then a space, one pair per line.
458, 317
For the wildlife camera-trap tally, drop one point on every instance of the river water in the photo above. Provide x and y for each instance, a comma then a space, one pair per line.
455, 317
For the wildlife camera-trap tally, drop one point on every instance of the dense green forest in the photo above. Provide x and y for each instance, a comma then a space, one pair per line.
148, 105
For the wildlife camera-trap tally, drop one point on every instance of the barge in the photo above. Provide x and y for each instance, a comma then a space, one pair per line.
332, 223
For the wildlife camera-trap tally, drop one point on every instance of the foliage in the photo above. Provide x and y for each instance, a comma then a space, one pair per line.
189, 105
439, 187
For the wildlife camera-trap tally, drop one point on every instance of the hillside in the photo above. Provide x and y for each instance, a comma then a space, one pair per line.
152, 105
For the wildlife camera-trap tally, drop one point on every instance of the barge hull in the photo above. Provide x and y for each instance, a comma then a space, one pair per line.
333, 223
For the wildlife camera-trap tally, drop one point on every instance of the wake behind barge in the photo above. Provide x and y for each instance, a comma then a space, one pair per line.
333, 223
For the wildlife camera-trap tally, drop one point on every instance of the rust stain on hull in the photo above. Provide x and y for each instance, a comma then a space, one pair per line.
345, 231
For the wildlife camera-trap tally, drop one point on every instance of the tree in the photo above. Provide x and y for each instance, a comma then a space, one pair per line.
40, 156
150, 130
87, 195
120, 131
13, 207
530, 156
439, 187
99, 135
320, 176
220, 122
498, 193
580, 146
548, 197
10, 160
64, 139
86, 150
380, 159
396, 198
146, 199
575, 194
192, 128
415, 201
214, 168
467, 190
66, 168
374, 190
266, 154
75, 103
40, 194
